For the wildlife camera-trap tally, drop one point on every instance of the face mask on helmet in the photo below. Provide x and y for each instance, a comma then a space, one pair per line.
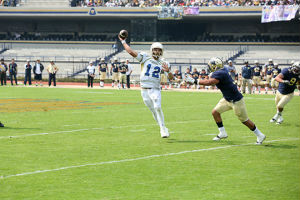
296, 68
157, 50
215, 64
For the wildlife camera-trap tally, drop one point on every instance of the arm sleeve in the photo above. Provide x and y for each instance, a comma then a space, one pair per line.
141, 57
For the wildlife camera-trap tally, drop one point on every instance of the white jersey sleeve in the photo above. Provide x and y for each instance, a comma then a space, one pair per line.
142, 57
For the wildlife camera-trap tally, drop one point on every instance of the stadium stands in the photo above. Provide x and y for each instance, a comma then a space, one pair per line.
45, 4
202, 3
65, 36
73, 58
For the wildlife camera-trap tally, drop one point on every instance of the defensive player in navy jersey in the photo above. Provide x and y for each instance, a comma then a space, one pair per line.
232, 99
288, 78
114, 71
103, 68
274, 84
257, 74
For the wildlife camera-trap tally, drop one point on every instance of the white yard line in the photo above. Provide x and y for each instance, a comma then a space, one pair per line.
136, 159
257, 98
100, 128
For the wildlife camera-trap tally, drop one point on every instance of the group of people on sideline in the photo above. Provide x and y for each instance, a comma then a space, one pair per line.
119, 72
36, 69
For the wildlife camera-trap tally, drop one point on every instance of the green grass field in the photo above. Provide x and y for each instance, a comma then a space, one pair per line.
104, 144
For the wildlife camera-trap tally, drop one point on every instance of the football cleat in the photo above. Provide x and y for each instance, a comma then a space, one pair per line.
274, 119
220, 136
279, 120
164, 132
260, 139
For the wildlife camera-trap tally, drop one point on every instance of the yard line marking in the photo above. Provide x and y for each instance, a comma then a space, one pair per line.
267, 99
137, 130
100, 128
136, 159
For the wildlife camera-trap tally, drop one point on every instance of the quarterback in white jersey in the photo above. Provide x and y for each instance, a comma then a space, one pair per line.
150, 80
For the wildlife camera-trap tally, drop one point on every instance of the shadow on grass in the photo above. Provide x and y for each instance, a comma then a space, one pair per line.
281, 146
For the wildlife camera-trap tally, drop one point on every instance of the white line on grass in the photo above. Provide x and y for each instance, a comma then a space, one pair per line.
136, 159
267, 99
87, 129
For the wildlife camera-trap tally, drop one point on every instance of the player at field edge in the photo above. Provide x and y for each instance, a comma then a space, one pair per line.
287, 78
232, 99
150, 80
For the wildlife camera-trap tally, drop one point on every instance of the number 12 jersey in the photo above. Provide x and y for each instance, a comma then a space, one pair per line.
150, 74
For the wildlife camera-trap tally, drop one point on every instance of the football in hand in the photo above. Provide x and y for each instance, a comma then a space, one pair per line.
123, 34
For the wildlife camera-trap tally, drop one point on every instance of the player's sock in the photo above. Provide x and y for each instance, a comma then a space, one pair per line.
256, 131
112, 84
258, 89
221, 129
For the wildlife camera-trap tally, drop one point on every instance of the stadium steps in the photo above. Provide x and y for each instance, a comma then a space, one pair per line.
241, 51
107, 58
46, 4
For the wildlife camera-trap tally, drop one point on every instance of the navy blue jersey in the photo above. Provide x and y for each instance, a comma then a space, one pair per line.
257, 70
269, 69
226, 85
284, 88
195, 75
247, 72
115, 66
275, 72
203, 75
178, 75
103, 67
123, 68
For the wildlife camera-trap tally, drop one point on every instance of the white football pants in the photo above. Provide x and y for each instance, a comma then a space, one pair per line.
152, 99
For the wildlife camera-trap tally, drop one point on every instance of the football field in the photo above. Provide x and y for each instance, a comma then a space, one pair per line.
63, 143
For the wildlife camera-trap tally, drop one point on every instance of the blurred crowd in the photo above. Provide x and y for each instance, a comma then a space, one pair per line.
11, 3
196, 3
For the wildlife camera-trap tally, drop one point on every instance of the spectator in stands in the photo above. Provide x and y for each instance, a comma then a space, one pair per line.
257, 74
91, 73
247, 76
268, 74
38, 70
3, 71
103, 69
13, 71
52, 70
128, 73
231, 69
28, 68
